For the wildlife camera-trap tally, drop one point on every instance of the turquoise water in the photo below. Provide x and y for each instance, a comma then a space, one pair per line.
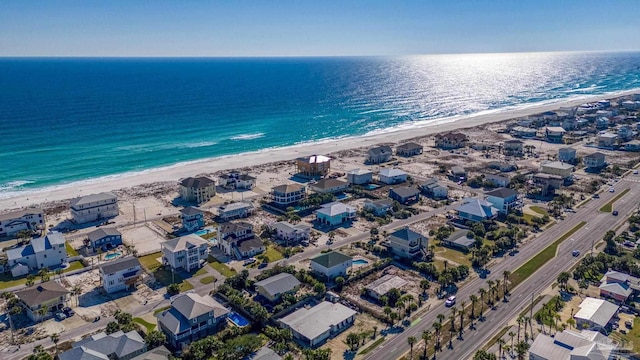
237, 319
112, 256
66, 120
371, 186
202, 232
360, 262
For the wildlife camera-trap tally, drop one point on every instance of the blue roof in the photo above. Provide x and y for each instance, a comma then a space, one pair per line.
477, 207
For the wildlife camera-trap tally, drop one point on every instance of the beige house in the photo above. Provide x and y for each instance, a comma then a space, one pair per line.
49, 295
451, 140
288, 194
313, 166
199, 190
557, 168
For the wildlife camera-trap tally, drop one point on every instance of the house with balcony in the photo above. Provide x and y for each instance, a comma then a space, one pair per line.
103, 346
104, 238
626, 133
291, 233
433, 189
548, 183
392, 176
289, 194
409, 149
379, 154
238, 181
504, 199
407, 243
457, 173
405, 195
594, 161
191, 317
380, 207
272, 288
192, 219
359, 177
199, 190
314, 166
334, 214
497, 180
451, 141
554, 134
559, 168
603, 122
607, 139
476, 210
14, 222
567, 154
524, 132
185, 253
121, 274
238, 240
44, 252
329, 186
50, 295
513, 148
236, 210
93, 207
331, 264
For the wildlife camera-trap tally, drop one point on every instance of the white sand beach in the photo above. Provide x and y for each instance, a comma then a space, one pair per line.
174, 173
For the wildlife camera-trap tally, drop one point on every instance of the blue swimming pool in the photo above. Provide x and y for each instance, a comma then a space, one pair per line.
360, 262
371, 186
112, 256
238, 320
342, 196
202, 232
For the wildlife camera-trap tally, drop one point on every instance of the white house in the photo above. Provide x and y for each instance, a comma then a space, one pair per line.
379, 154
557, 168
497, 180
331, 264
44, 252
607, 139
13, 222
359, 177
238, 240
314, 325
291, 233
392, 176
566, 154
595, 314
186, 253
288, 194
335, 213
94, 207
236, 180
235, 210
572, 345
120, 274
378, 207
504, 199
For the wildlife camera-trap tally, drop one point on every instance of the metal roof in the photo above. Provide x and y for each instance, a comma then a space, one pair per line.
92, 198
103, 232
317, 320
597, 311
120, 264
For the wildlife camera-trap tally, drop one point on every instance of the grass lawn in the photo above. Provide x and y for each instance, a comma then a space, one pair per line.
608, 207
539, 210
7, 281
541, 258
209, 235
149, 261
74, 265
273, 254
207, 279
222, 269
149, 326
454, 255
200, 271
157, 311
70, 250
372, 346
165, 278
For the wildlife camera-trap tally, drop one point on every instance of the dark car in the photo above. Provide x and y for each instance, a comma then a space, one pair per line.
68, 311
615, 212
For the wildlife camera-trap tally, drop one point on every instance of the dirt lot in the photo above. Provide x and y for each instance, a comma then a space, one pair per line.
364, 324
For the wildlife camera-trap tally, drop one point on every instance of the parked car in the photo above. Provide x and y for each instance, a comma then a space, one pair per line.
451, 300
68, 311
635, 172
596, 196
612, 190
60, 316
628, 324
615, 212
576, 253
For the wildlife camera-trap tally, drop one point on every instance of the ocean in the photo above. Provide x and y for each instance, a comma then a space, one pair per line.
64, 120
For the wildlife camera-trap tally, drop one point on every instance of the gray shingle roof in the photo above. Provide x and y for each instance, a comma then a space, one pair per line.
117, 344
329, 183
197, 183
190, 210
279, 284
406, 234
478, 207
410, 146
250, 244
405, 191
184, 242
315, 321
331, 259
20, 213
186, 307
288, 188
100, 233
92, 198
502, 192
264, 353
159, 353
120, 264
40, 293
380, 150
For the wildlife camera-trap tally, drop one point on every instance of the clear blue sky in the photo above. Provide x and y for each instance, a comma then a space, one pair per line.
319, 27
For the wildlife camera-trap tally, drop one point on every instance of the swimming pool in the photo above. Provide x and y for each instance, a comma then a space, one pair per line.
342, 196
112, 256
238, 320
202, 232
360, 262
371, 186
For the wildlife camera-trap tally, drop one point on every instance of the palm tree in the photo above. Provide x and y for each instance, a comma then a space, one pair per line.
411, 340
490, 299
387, 311
462, 304
375, 331
520, 321
76, 291
437, 327
498, 282
55, 338
426, 337
452, 329
511, 335
501, 343
505, 282
482, 292
59, 272
571, 322
454, 312
440, 318
473, 299
42, 312
521, 349
44, 274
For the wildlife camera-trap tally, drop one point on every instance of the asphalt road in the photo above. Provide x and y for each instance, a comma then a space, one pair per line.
597, 224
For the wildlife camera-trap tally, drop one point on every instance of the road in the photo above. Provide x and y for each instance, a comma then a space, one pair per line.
597, 224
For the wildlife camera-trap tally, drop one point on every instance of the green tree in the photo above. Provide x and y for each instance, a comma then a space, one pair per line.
353, 340
155, 338
54, 339
426, 337
522, 347
30, 280
473, 299
112, 327
173, 289
411, 340
563, 279
42, 312
484, 355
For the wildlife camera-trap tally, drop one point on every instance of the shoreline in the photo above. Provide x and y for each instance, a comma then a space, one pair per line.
173, 173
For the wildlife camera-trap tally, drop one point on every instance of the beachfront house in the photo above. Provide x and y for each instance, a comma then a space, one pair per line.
198, 190
595, 314
236, 180
329, 186
335, 213
49, 295
524, 132
191, 317
607, 139
331, 264
572, 345
94, 207
238, 240
513, 148
235, 210
48, 251
314, 166
433, 189
497, 180
405, 195
381, 287
272, 288
359, 177
461, 239
23, 220
379, 154
121, 274
291, 233
312, 326
567, 154
451, 141
476, 210
103, 346
392, 176
594, 161
379, 207
557, 168
289, 194
192, 218
554, 134
504, 199
409, 149
406, 242
104, 238
185, 253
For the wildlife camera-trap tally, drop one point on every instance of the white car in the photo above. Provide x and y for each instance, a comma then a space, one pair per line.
635, 172
451, 300
612, 190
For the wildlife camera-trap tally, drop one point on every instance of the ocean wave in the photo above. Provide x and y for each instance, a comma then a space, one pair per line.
247, 136
13, 185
